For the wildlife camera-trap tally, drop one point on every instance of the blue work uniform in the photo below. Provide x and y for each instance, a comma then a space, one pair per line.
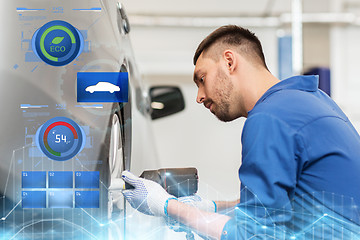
300, 172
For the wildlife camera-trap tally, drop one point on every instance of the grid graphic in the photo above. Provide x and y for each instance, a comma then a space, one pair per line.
55, 189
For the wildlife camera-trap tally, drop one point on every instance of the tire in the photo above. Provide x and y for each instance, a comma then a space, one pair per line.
116, 201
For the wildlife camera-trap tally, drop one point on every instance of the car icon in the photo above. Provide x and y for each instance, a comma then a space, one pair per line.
103, 87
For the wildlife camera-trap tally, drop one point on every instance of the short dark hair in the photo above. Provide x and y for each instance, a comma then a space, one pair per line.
234, 36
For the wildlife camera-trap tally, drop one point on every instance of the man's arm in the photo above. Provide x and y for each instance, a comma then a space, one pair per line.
224, 205
205, 223
150, 198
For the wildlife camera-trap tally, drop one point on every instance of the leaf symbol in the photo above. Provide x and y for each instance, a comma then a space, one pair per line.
57, 40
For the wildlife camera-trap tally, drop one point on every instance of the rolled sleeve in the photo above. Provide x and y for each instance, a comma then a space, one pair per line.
230, 230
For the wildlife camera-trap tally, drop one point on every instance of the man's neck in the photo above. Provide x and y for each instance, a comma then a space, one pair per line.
262, 82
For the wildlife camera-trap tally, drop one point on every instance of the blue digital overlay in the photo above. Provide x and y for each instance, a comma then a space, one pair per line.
22, 9
102, 86
60, 138
87, 9
86, 199
60, 199
87, 179
60, 179
316, 215
33, 199
35, 152
33, 179
57, 43
23, 106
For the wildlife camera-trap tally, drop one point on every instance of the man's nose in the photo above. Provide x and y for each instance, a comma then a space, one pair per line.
200, 96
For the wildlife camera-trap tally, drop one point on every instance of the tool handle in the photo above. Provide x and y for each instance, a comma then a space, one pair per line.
128, 186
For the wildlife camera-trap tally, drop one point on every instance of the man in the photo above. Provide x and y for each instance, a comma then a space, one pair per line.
300, 169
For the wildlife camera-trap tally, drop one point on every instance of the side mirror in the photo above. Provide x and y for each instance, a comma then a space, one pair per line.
165, 101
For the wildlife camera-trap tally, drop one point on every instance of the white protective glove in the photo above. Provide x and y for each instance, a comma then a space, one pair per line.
199, 202
194, 201
147, 196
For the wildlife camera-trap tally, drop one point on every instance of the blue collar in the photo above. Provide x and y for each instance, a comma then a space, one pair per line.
309, 83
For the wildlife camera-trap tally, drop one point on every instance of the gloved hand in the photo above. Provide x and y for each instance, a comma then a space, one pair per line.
199, 202
147, 196
194, 201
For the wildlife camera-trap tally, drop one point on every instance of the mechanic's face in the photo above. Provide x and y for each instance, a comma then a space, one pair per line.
214, 88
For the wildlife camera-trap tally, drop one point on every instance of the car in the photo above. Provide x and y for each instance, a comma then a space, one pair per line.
72, 195
103, 87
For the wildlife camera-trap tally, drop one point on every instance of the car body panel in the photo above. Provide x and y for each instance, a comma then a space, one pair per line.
32, 92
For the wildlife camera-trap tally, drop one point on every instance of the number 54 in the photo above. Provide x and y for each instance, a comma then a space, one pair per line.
59, 137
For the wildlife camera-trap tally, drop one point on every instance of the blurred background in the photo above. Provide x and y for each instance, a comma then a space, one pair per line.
298, 37
317, 37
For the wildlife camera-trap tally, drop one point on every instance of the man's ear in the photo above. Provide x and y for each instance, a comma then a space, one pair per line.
230, 60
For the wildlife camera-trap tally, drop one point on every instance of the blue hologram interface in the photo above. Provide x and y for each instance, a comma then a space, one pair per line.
55, 189
60, 179
86, 179
33, 179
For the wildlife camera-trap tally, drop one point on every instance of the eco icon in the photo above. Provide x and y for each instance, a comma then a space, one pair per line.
57, 40
57, 43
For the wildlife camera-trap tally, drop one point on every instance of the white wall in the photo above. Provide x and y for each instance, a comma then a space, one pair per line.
316, 45
170, 50
345, 65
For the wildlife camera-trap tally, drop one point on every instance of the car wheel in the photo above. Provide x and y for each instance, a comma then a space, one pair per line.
115, 197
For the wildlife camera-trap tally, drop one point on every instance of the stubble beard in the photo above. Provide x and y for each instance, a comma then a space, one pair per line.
223, 89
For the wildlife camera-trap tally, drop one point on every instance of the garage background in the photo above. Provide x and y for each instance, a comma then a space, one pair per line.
165, 35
